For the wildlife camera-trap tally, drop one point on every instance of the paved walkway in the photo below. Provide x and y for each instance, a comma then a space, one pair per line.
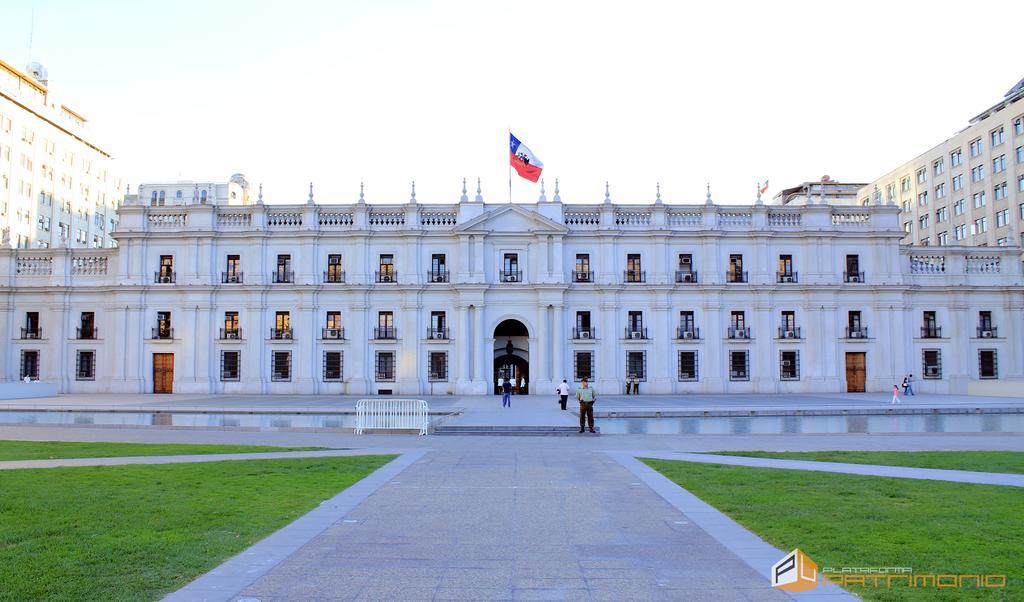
189, 459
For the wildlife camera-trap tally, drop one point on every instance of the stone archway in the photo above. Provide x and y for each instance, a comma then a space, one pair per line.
512, 356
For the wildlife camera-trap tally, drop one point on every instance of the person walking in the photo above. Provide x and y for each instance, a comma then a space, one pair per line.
506, 394
586, 396
895, 394
908, 385
636, 385
563, 393
522, 386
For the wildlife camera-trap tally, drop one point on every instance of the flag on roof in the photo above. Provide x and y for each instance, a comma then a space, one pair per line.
763, 188
526, 164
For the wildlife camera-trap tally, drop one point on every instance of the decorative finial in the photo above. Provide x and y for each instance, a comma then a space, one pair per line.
479, 196
362, 197
412, 199
759, 202
707, 201
464, 198
310, 193
657, 195
259, 198
542, 198
558, 197
607, 193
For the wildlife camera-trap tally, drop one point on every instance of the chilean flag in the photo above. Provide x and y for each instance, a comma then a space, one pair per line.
525, 162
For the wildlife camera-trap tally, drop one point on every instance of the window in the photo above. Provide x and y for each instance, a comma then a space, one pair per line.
923, 221
438, 268
976, 147
1002, 218
908, 227
385, 325
988, 366
998, 136
234, 269
938, 166
924, 242
1018, 126
437, 366
583, 328
999, 164
922, 175
942, 215
958, 182
943, 238
438, 325
688, 366
333, 321
202, 197
958, 207
163, 328
977, 173
335, 271
636, 365
385, 371
332, 366
1003, 242
634, 269
1001, 191
162, 198
960, 232
85, 365
980, 226
685, 262
284, 269
940, 190
281, 366
979, 199
1020, 183
922, 198
854, 329
906, 206
1020, 154
582, 273
735, 273
687, 325
789, 365
29, 364
230, 366
905, 185
635, 325
87, 325
282, 323
583, 365
931, 363
230, 330
739, 365
510, 267
785, 265
166, 272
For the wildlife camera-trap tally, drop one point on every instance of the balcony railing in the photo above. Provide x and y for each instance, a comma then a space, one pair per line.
686, 276
931, 332
281, 334
789, 332
333, 334
32, 333
334, 277
735, 276
739, 332
231, 277
164, 277
578, 276
386, 277
87, 334
988, 332
858, 332
584, 333
635, 332
687, 332
853, 277
384, 332
634, 276
787, 277
439, 334
510, 276
282, 277
230, 334
438, 277
163, 333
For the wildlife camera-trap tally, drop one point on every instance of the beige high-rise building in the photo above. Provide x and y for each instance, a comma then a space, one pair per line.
968, 190
56, 183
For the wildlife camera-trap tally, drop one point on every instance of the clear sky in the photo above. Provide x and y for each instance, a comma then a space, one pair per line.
630, 92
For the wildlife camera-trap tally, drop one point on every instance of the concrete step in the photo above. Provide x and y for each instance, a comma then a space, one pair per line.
510, 430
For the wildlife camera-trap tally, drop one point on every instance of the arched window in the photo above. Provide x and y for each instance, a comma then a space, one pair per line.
202, 197
177, 194
162, 197
152, 198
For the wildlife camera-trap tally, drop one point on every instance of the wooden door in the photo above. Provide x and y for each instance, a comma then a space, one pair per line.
163, 372
855, 372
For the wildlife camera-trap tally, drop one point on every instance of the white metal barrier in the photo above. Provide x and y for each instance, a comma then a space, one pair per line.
392, 414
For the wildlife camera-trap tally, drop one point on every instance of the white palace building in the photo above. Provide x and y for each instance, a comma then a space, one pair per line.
212, 291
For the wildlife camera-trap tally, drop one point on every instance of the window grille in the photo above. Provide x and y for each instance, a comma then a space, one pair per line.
29, 364
688, 366
583, 365
789, 365
636, 365
85, 365
385, 366
281, 366
230, 365
333, 366
739, 365
931, 363
988, 365
437, 366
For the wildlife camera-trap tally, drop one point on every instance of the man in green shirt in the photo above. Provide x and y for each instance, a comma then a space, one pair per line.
586, 396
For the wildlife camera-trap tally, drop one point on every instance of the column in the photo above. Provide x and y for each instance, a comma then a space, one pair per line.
461, 349
484, 346
558, 339
659, 367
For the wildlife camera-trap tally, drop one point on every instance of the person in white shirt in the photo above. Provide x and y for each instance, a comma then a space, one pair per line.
563, 393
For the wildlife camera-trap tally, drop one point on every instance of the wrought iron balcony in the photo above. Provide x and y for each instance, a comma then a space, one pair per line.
739, 332
687, 332
281, 334
439, 334
635, 332
163, 333
335, 334
789, 332
230, 334
87, 334
858, 332
584, 333
334, 276
384, 332
986, 331
437, 277
787, 277
735, 276
282, 277
686, 276
931, 332
32, 333
579, 276
386, 277
854, 277
634, 276
510, 276
164, 277
231, 277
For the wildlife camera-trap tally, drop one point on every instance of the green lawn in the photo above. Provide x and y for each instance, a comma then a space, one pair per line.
47, 450
983, 461
138, 532
858, 521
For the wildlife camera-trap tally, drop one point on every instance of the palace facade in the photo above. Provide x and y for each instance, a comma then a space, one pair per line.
435, 299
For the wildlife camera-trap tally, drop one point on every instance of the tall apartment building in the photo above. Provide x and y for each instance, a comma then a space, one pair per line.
969, 190
56, 184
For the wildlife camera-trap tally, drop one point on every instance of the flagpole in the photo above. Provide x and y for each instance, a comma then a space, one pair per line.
510, 171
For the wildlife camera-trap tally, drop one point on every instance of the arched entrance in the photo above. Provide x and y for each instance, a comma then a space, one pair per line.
512, 356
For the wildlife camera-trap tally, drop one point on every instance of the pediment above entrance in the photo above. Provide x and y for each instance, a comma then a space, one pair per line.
513, 219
